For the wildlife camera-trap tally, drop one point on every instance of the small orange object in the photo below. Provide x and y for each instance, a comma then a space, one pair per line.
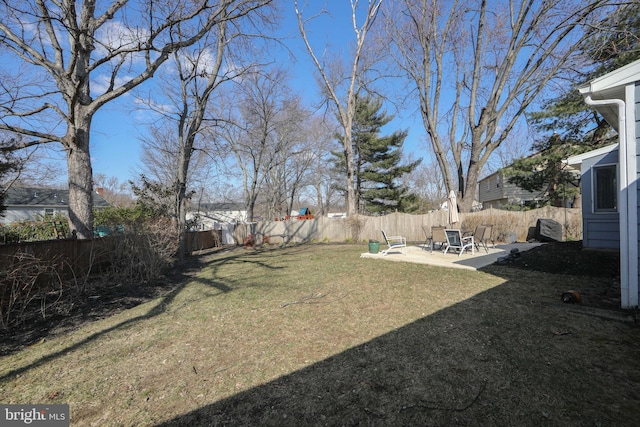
250, 241
571, 297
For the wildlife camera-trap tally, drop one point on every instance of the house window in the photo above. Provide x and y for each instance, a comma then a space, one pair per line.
48, 213
605, 188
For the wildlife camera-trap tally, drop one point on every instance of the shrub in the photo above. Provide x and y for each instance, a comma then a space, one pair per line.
34, 285
354, 225
28, 284
144, 251
43, 228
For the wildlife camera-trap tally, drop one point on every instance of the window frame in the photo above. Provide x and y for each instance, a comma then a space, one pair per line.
594, 188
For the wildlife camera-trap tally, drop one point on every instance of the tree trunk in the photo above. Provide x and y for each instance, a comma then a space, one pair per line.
470, 187
181, 202
80, 176
76, 142
348, 154
498, 70
346, 119
355, 80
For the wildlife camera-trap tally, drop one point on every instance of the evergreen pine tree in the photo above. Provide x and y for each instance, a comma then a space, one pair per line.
614, 44
546, 173
8, 164
377, 161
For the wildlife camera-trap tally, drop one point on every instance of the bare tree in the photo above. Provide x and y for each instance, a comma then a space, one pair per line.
198, 73
321, 179
341, 87
115, 192
476, 66
69, 58
262, 134
35, 166
291, 166
426, 185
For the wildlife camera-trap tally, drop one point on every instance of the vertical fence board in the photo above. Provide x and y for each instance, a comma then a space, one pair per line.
80, 257
506, 223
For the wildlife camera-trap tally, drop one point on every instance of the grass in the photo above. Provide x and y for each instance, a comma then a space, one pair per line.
316, 335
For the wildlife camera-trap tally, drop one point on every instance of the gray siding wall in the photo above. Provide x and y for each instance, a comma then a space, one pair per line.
489, 191
495, 191
637, 115
599, 230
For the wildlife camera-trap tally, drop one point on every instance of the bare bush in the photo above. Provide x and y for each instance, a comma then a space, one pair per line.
470, 223
354, 225
144, 251
505, 225
38, 286
28, 283
573, 228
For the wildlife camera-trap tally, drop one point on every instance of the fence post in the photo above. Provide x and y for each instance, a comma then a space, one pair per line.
76, 250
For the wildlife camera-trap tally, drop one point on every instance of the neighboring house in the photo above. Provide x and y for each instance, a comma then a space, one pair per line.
610, 175
33, 204
219, 216
337, 215
495, 191
211, 215
476, 206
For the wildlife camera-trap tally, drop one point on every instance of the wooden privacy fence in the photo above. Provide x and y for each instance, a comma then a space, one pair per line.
80, 257
507, 226
69, 256
200, 240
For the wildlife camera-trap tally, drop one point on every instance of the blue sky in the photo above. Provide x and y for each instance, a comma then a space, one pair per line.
116, 128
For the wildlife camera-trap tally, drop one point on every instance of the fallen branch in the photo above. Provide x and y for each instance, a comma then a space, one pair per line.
436, 406
312, 299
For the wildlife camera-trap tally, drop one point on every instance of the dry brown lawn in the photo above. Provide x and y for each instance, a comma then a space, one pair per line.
316, 335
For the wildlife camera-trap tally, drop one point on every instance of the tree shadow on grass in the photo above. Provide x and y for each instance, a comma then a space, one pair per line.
507, 356
179, 279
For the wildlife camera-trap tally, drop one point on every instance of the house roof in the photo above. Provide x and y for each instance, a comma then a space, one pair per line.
490, 175
611, 86
501, 171
576, 161
43, 197
224, 206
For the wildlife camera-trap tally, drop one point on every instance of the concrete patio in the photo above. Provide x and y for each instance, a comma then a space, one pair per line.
420, 255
